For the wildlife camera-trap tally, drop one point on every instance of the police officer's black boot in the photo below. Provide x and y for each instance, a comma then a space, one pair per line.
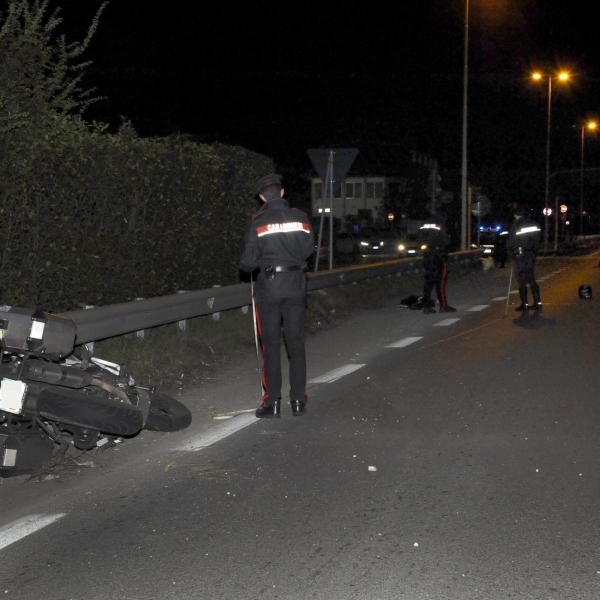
523, 307
269, 411
298, 407
537, 300
428, 306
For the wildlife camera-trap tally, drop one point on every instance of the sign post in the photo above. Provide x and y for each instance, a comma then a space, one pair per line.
332, 167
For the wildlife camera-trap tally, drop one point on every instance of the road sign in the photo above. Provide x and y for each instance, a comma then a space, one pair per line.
342, 161
481, 207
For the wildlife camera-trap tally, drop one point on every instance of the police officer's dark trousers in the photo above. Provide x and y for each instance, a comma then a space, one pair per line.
436, 275
525, 271
273, 313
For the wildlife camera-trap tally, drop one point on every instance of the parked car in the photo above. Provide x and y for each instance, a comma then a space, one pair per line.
381, 243
411, 246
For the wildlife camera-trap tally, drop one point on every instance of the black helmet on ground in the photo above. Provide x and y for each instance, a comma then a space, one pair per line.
585, 291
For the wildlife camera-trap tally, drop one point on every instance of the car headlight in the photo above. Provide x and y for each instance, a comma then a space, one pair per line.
423, 246
401, 247
364, 243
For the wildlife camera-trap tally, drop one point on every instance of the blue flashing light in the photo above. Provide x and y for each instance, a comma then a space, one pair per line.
481, 228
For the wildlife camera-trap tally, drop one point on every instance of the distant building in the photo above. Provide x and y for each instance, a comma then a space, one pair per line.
360, 197
403, 198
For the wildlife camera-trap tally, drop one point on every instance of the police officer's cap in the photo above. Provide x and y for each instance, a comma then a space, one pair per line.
271, 180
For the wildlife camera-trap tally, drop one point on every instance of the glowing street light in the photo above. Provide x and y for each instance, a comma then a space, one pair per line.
562, 76
590, 126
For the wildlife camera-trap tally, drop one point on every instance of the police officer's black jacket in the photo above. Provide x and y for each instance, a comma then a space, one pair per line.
279, 236
524, 238
436, 252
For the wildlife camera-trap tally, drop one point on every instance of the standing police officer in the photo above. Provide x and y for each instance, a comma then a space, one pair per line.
278, 243
523, 245
435, 263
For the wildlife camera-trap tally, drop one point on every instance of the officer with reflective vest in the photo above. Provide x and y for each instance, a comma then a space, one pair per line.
279, 242
435, 263
524, 240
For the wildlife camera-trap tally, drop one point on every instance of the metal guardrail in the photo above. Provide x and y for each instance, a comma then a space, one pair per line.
119, 319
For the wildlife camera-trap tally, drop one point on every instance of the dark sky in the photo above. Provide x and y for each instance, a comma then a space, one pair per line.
280, 78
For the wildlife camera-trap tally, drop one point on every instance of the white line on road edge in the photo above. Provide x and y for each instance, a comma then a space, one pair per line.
407, 341
9, 534
477, 307
498, 299
446, 322
336, 374
218, 433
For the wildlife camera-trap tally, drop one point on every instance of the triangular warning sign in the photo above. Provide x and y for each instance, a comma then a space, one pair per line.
342, 161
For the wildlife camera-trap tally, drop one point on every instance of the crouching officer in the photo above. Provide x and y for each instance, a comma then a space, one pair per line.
435, 263
278, 243
523, 245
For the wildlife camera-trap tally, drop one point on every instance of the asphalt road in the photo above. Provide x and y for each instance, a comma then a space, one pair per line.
462, 463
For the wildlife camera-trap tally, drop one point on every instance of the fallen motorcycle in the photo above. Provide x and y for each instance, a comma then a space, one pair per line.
54, 396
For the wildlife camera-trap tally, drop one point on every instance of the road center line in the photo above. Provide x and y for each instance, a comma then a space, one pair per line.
498, 299
477, 307
446, 322
336, 374
407, 341
13, 532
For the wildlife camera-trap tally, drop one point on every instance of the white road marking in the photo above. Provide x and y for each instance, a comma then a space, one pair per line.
477, 307
230, 415
407, 341
498, 299
446, 322
514, 292
336, 374
204, 440
13, 532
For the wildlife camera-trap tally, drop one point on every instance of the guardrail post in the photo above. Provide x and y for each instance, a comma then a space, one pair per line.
91, 346
216, 315
182, 325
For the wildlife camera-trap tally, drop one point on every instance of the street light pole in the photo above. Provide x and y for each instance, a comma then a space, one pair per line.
463, 187
590, 125
562, 76
547, 183
581, 181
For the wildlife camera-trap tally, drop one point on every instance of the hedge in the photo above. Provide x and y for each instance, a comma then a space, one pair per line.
88, 217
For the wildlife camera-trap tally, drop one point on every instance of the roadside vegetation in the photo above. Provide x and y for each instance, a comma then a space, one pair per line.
90, 216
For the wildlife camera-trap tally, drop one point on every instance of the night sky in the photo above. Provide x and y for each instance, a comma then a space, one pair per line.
279, 78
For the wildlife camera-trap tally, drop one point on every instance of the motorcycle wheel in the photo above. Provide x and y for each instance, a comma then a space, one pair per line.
166, 414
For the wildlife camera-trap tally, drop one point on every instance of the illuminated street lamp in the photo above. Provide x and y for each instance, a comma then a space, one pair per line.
463, 177
562, 76
591, 126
